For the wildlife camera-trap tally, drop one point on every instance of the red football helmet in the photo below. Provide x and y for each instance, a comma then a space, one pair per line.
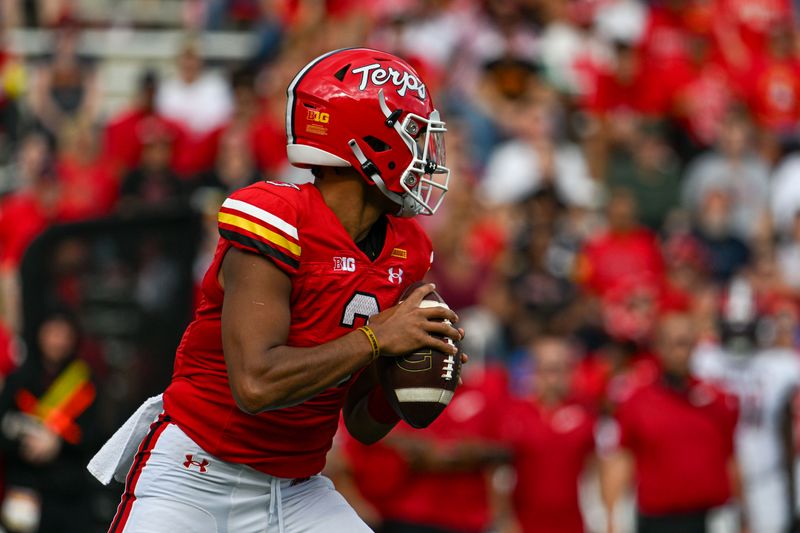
369, 110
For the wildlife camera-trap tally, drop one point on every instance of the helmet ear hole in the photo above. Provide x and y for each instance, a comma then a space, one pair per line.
391, 165
376, 144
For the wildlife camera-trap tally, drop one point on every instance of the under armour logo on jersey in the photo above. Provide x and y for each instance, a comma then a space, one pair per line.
396, 275
344, 264
191, 462
404, 81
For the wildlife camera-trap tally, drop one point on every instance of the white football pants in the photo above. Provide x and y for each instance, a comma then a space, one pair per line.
174, 486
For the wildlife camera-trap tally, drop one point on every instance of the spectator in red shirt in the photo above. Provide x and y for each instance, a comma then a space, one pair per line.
607, 376
27, 211
675, 441
152, 182
552, 438
704, 92
126, 133
665, 50
775, 90
627, 88
251, 124
626, 250
88, 183
746, 24
252, 117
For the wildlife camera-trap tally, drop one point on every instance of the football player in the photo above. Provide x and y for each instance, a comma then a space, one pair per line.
297, 304
765, 380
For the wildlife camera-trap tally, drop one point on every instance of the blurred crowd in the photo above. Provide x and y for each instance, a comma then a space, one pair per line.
621, 240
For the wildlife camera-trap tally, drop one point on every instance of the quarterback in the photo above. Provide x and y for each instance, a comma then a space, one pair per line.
297, 304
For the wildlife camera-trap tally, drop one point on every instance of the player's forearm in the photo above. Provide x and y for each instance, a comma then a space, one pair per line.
284, 375
367, 414
363, 426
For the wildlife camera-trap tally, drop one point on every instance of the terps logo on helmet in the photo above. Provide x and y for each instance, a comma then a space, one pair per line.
404, 81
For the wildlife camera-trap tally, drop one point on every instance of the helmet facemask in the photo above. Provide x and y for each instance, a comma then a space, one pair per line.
425, 179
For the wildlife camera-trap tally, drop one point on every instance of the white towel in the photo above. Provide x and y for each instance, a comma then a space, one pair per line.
116, 456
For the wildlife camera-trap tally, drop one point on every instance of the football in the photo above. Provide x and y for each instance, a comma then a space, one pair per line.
420, 385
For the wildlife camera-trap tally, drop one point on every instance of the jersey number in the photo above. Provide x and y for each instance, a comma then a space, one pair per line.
361, 305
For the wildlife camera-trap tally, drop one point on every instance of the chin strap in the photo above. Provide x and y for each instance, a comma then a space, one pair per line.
367, 166
406, 204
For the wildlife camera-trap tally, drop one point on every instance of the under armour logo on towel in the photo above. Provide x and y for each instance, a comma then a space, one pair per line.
191, 462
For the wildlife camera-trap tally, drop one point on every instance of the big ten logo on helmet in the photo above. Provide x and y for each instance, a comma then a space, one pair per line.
344, 264
404, 81
318, 118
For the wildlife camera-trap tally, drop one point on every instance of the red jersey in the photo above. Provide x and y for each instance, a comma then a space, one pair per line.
335, 288
597, 383
265, 139
87, 190
752, 20
266, 142
551, 447
681, 442
663, 55
127, 133
775, 93
703, 98
611, 259
23, 217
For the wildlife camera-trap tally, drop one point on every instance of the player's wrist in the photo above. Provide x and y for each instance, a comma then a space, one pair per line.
375, 348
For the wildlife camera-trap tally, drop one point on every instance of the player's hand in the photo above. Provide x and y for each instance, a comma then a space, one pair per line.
406, 327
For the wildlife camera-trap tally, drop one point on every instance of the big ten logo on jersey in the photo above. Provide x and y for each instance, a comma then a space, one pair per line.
344, 264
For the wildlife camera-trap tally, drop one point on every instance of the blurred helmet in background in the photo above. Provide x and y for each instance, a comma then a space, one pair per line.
739, 325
